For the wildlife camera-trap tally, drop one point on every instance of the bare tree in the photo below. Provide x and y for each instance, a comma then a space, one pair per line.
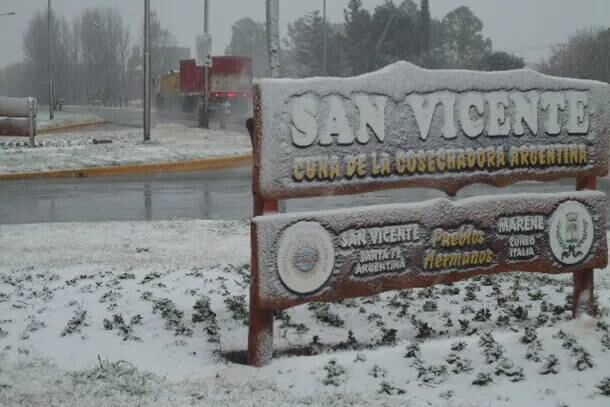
36, 52
586, 55
15, 81
249, 38
104, 46
161, 40
90, 56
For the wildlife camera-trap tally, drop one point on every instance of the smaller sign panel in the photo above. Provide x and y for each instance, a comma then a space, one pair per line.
330, 255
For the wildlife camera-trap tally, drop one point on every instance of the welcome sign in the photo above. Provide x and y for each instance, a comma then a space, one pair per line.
402, 127
406, 126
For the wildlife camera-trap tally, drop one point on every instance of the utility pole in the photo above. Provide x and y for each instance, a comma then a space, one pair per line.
204, 116
147, 98
324, 41
51, 98
273, 36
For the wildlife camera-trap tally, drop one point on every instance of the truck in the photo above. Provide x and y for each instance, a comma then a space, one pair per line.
230, 87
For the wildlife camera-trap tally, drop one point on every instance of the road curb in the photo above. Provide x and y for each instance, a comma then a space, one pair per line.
184, 166
71, 127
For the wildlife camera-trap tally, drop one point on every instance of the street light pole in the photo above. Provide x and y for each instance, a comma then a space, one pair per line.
147, 70
51, 101
324, 41
273, 36
206, 70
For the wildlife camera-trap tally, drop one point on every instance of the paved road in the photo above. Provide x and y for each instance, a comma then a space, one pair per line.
235, 124
205, 195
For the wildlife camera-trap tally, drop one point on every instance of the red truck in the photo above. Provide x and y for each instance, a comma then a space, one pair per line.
230, 81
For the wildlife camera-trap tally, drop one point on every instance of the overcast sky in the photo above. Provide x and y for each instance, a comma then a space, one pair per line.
513, 25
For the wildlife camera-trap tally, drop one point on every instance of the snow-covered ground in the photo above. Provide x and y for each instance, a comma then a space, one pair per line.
63, 120
72, 151
156, 314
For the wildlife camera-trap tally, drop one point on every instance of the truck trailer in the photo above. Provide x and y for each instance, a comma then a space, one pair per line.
230, 84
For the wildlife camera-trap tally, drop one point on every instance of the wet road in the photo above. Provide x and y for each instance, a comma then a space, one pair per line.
205, 195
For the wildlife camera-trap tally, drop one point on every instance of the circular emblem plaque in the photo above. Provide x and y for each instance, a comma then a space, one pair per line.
571, 232
306, 257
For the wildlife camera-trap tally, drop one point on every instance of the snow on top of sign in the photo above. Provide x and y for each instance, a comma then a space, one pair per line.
373, 212
403, 78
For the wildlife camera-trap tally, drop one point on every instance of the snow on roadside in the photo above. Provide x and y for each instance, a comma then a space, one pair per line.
72, 151
155, 313
64, 119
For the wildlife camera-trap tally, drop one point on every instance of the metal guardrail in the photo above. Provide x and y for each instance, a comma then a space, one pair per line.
18, 117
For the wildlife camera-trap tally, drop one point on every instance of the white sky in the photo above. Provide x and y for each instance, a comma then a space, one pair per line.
513, 25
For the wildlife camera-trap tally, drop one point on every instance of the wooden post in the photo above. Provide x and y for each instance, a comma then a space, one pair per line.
260, 330
584, 293
260, 334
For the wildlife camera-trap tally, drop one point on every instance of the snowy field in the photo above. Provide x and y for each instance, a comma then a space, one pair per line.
72, 151
113, 314
64, 119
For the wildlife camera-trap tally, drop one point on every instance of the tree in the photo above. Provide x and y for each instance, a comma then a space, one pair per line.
161, 40
425, 26
36, 53
73, 89
586, 55
104, 41
436, 58
89, 56
249, 39
395, 33
164, 52
500, 61
357, 41
465, 44
16, 81
304, 47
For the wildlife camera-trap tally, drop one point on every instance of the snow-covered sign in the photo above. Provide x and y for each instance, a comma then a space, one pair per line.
402, 127
406, 126
332, 255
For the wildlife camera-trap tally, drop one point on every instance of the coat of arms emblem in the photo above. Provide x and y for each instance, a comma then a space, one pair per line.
571, 232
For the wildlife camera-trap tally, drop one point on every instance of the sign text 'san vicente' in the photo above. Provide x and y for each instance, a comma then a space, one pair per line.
330, 255
406, 126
